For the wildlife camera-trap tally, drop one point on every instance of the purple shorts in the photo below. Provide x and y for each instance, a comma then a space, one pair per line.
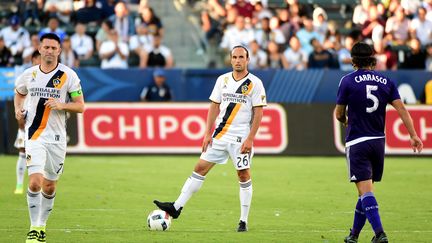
365, 160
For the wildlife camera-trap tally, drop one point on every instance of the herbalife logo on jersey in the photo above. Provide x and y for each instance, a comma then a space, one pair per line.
45, 92
234, 98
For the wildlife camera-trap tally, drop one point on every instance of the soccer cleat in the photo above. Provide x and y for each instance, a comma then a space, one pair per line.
169, 208
42, 236
242, 227
19, 189
351, 239
32, 236
380, 238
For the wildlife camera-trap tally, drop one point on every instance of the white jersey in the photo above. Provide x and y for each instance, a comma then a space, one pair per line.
236, 99
42, 123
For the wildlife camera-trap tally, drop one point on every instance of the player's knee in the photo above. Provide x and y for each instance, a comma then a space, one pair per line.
49, 189
243, 175
34, 186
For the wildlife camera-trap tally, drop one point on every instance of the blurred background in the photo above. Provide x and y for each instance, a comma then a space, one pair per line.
171, 52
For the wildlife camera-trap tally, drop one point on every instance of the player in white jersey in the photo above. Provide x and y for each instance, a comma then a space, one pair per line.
19, 142
50, 89
237, 105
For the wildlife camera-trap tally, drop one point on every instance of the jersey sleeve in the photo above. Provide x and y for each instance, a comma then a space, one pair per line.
394, 93
21, 84
342, 94
74, 84
217, 92
259, 95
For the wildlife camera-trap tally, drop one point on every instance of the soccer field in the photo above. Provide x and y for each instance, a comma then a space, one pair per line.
296, 199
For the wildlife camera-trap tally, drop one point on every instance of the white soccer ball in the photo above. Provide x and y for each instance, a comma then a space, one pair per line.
159, 220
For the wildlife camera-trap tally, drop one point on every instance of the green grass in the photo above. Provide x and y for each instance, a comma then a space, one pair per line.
296, 199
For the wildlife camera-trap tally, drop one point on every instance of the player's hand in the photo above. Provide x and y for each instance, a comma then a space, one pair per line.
416, 144
246, 146
54, 104
206, 142
20, 115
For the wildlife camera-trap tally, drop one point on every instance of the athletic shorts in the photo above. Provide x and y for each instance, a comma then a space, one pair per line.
45, 158
365, 160
220, 151
20, 138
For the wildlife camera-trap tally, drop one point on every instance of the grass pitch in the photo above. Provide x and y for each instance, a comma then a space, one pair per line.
296, 199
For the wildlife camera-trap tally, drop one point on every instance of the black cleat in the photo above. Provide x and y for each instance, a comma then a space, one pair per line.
351, 239
242, 227
380, 238
169, 208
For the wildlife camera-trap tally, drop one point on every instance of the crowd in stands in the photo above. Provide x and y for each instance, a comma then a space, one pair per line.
109, 33
299, 35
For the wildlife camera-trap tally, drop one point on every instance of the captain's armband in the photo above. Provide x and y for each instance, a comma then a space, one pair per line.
76, 93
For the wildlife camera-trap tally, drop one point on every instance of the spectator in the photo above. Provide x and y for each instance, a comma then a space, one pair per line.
244, 8
257, 57
287, 26
114, 52
294, 57
15, 37
265, 34
82, 44
90, 13
237, 35
152, 21
6, 58
385, 58
306, 34
421, 27
158, 90
142, 41
274, 57
28, 51
361, 12
53, 27
373, 24
344, 55
158, 55
62, 9
123, 22
102, 34
397, 27
320, 21
28, 11
68, 56
260, 12
416, 57
319, 58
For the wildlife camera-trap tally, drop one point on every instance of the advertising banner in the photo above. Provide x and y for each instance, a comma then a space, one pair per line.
162, 128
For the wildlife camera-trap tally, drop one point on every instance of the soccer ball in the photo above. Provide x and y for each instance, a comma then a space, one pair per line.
159, 220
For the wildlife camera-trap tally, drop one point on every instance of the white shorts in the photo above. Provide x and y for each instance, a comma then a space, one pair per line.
220, 151
47, 159
20, 138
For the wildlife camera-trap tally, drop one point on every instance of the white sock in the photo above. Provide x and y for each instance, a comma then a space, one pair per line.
47, 205
245, 199
192, 185
20, 168
34, 205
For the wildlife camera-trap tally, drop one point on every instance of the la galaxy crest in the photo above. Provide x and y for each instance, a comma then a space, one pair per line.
56, 82
244, 89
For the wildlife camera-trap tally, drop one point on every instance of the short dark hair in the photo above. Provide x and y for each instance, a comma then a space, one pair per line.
362, 55
240, 46
35, 54
50, 36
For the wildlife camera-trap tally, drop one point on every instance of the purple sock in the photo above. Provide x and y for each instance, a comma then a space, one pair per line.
370, 207
359, 219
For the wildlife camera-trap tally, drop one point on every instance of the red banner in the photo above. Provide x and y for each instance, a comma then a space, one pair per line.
163, 128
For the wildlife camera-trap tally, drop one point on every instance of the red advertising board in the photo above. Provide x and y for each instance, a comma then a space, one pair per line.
163, 128
397, 137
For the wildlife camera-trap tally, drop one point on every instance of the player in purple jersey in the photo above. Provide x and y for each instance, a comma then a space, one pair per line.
361, 106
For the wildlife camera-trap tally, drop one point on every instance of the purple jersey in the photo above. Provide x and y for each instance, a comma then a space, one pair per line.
366, 93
